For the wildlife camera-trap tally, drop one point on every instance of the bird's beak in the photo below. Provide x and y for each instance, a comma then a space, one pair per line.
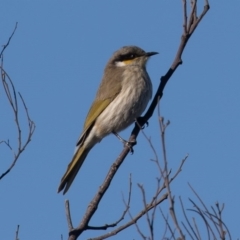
149, 54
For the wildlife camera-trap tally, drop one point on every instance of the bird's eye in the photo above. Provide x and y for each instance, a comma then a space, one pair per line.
128, 56
132, 56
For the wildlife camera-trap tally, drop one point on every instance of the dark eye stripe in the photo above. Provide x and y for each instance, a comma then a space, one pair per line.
128, 56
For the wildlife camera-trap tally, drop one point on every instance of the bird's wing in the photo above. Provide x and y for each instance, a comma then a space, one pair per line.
95, 110
109, 88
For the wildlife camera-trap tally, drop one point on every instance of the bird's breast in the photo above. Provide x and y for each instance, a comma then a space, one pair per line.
136, 91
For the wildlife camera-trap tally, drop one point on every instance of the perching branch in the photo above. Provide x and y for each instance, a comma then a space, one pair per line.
188, 29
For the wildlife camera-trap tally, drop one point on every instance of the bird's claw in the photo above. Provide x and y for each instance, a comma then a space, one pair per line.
146, 123
141, 122
130, 145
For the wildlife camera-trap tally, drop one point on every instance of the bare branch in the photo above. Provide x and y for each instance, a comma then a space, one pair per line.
193, 16
13, 101
184, 17
7, 143
154, 200
136, 225
134, 219
165, 231
223, 232
210, 219
68, 215
17, 232
201, 201
150, 225
127, 206
187, 230
218, 218
179, 168
163, 127
164, 173
9, 39
154, 203
167, 223
92, 207
202, 215
196, 227
186, 218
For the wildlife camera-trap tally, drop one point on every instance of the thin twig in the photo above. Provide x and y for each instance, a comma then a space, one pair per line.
215, 216
184, 16
136, 225
192, 18
150, 225
154, 199
17, 232
134, 220
205, 207
196, 227
223, 232
13, 101
179, 168
167, 223
166, 227
68, 215
201, 213
187, 230
9, 39
185, 215
163, 127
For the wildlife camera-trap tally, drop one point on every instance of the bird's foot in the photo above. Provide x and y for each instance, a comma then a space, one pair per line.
126, 143
141, 122
130, 145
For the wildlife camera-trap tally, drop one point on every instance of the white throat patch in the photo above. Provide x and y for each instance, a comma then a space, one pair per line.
120, 64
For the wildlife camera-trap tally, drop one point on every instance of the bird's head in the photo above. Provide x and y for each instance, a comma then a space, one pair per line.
130, 56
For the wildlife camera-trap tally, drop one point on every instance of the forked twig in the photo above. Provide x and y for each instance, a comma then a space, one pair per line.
10, 92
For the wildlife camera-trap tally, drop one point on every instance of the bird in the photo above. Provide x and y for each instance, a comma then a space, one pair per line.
122, 97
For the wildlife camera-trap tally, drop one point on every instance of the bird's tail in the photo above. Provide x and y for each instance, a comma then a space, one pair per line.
73, 168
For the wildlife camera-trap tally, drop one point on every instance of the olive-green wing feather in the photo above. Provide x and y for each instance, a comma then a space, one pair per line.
96, 109
109, 88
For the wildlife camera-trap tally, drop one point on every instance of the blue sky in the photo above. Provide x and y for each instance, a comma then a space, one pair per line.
56, 61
